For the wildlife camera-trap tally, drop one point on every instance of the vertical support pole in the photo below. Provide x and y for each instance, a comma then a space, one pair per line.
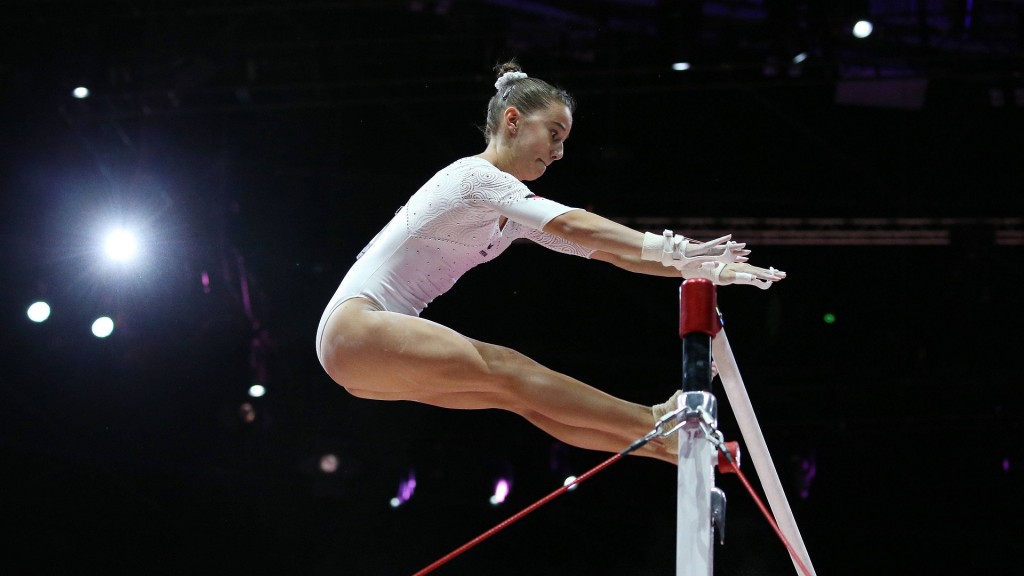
698, 322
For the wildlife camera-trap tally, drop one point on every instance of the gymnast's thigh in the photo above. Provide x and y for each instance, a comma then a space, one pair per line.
387, 355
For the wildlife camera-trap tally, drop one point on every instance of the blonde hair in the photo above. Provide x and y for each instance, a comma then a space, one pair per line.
526, 94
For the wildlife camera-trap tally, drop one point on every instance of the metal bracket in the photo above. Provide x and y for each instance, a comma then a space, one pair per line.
718, 502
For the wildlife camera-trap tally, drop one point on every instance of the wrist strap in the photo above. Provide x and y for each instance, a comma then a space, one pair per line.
656, 245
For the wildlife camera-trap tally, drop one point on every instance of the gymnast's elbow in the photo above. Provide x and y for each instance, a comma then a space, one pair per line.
575, 225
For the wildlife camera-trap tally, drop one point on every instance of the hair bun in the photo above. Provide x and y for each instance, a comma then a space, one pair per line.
508, 77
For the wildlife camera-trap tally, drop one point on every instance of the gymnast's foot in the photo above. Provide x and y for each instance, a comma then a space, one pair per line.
671, 442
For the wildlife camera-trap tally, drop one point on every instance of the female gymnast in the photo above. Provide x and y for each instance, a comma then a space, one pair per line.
371, 338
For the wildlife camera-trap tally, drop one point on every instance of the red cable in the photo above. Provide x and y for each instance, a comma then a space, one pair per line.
524, 512
519, 515
771, 520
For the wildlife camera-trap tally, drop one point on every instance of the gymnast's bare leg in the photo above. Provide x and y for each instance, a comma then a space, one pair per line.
383, 355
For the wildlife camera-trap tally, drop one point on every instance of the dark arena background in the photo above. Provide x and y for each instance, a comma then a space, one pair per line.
255, 147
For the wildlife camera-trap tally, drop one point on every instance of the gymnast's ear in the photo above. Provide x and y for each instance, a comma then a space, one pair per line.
511, 118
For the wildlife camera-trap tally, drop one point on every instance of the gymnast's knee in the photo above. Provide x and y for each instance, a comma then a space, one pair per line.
502, 358
512, 369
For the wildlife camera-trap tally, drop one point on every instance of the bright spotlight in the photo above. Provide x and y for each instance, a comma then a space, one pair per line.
102, 327
570, 481
501, 490
257, 390
680, 66
39, 312
121, 245
862, 29
406, 488
80, 92
799, 58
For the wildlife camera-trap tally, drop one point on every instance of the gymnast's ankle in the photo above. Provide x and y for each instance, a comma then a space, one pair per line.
670, 442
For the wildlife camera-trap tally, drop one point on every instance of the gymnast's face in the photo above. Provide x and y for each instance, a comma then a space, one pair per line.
537, 139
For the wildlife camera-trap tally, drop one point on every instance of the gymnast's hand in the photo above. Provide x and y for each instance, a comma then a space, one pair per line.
734, 273
680, 252
720, 250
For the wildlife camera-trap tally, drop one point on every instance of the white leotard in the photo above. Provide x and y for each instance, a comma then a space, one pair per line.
450, 225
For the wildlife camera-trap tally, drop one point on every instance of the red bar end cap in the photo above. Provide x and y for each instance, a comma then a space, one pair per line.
698, 308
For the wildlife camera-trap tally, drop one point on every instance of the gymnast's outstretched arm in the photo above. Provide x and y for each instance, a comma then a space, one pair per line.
623, 247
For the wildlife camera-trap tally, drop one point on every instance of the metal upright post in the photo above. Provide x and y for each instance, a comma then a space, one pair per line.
696, 492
